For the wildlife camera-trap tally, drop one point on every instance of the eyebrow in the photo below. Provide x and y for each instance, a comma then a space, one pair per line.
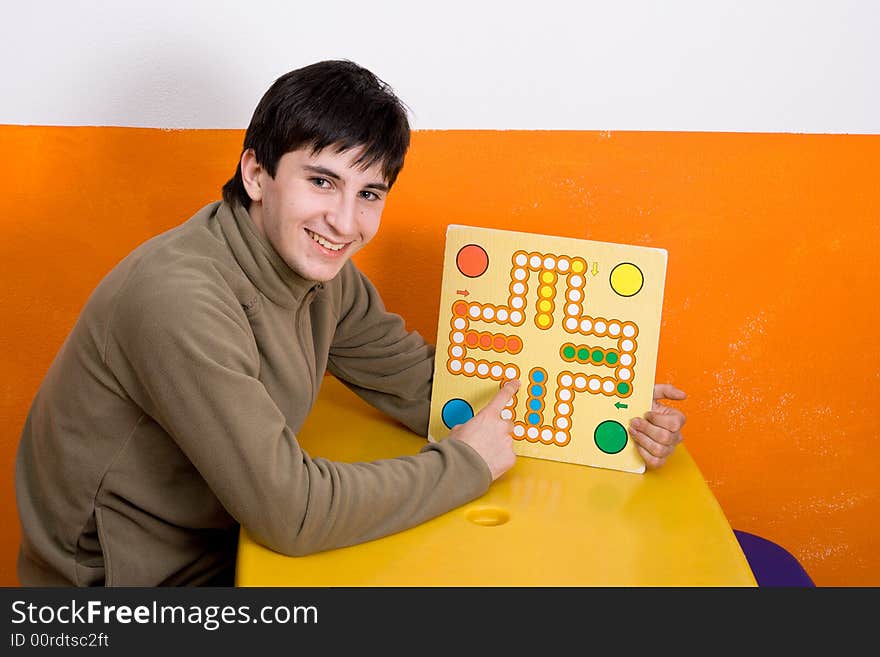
335, 176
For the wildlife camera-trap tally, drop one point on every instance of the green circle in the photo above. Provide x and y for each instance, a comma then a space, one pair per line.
583, 354
623, 387
568, 352
611, 358
610, 436
598, 356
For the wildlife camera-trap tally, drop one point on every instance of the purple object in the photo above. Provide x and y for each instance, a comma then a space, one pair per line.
771, 564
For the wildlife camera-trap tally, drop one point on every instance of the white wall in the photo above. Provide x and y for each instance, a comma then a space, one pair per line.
716, 65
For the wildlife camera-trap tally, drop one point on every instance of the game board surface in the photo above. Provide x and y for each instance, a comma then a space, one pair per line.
576, 321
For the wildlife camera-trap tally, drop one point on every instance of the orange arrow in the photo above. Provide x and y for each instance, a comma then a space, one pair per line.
463, 292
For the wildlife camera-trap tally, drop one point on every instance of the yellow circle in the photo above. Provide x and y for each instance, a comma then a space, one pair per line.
548, 277
578, 266
627, 279
546, 292
543, 320
545, 305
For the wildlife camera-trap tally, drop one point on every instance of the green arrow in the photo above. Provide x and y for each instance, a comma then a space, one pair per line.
619, 405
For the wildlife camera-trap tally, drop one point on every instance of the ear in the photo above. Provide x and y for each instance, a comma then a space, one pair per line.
251, 175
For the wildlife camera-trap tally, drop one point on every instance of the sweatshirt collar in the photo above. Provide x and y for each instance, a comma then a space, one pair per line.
259, 260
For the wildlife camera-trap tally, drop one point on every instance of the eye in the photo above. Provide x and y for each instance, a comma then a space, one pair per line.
369, 196
323, 183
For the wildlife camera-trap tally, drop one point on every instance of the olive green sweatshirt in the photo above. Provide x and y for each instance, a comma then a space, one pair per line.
169, 417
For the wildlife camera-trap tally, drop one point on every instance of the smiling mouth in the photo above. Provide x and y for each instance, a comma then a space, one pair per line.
323, 241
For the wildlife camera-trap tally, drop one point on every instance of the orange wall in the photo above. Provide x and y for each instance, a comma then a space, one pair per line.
769, 314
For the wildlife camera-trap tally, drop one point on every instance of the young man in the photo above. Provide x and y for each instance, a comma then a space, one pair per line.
169, 416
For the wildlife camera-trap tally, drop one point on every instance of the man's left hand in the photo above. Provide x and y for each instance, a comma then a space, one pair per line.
659, 431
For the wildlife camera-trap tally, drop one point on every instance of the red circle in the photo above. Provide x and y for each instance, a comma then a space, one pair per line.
499, 342
460, 308
514, 345
471, 339
485, 340
472, 260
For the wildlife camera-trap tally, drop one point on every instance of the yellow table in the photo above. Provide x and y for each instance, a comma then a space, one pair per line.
542, 524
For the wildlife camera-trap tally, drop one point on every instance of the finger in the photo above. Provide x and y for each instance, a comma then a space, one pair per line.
651, 462
499, 401
669, 419
668, 391
649, 445
658, 434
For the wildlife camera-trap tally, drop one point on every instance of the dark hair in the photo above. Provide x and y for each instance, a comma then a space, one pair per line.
334, 103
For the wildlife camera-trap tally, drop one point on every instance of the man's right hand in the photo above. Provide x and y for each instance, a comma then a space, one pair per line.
490, 435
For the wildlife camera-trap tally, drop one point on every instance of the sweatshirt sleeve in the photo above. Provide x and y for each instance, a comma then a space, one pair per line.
187, 357
374, 355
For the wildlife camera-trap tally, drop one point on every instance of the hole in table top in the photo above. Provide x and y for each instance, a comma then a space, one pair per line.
488, 516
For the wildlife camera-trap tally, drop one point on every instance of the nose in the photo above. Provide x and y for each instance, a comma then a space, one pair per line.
342, 217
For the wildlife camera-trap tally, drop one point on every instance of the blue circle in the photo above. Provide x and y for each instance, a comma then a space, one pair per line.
537, 376
537, 391
456, 411
534, 418
535, 404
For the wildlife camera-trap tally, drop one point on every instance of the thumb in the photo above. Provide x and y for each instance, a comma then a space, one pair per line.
667, 391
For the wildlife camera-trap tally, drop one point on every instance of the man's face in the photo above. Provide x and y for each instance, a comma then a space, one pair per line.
318, 210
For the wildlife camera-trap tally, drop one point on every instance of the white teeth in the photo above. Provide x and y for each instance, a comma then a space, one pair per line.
320, 240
